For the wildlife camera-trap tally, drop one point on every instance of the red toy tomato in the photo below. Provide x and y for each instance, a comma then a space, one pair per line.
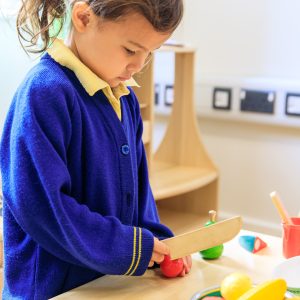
171, 268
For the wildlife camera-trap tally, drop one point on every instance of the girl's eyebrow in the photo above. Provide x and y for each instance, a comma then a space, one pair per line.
140, 46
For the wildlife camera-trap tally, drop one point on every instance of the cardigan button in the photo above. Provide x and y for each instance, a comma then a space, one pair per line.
125, 149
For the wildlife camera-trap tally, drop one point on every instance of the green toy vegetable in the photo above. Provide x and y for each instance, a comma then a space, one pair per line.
214, 252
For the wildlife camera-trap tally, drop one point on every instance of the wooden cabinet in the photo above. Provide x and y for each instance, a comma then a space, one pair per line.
184, 179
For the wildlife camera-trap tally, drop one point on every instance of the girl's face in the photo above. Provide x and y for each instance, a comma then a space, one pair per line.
114, 50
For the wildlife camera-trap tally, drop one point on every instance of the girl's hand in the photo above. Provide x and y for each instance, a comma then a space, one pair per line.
187, 265
159, 251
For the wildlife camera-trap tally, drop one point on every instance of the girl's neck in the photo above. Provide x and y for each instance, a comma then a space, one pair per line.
70, 43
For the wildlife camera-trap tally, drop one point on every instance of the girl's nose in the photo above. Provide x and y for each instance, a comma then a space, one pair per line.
136, 64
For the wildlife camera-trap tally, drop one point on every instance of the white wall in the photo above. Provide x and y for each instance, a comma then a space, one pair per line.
253, 161
257, 38
14, 64
244, 38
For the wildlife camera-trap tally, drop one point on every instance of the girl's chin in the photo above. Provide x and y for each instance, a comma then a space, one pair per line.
114, 83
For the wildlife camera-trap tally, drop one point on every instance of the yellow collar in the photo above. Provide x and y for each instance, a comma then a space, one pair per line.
89, 80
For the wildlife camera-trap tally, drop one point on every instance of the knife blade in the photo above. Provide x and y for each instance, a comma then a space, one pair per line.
203, 238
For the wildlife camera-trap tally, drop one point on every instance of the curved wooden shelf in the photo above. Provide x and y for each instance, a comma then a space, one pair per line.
169, 180
147, 132
182, 222
182, 173
143, 106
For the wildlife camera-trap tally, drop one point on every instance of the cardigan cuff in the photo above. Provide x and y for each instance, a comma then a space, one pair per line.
142, 252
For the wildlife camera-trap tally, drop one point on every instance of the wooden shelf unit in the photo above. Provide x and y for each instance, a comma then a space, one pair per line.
184, 179
146, 96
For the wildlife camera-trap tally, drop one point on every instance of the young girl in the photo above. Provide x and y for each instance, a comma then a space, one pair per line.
77, 200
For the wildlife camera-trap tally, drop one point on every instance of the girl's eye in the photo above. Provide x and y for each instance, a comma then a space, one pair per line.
130, 52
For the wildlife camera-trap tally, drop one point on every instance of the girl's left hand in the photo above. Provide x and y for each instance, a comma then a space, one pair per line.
187, 265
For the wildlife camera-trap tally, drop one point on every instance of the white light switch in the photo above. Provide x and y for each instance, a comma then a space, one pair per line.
293, 104
222, 98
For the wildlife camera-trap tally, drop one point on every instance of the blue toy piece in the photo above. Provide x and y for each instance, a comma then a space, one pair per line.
252, 243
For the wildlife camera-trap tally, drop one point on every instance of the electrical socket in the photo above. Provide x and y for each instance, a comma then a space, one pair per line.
257, 101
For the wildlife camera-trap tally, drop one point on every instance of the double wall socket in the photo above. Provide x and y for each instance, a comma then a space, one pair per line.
258, 100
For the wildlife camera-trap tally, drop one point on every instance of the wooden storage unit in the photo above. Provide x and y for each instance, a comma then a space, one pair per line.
184, 179
146, 96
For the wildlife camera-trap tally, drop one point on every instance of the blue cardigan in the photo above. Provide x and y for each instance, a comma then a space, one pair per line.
77, 200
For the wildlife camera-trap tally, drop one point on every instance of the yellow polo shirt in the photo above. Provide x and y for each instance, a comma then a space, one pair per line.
89, 80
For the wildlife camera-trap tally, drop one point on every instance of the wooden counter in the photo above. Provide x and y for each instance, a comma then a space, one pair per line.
204, 274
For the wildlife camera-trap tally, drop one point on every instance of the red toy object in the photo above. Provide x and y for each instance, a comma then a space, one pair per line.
171, 268
252, 243
291, 238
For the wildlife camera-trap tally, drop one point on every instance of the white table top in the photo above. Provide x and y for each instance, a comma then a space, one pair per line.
204, 273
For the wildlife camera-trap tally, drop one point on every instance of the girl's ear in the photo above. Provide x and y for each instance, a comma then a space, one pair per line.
81, 16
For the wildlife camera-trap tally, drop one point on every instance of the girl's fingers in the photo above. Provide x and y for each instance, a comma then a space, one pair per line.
160, 247
151, 264
159, 251
182, 274
185, 265
189, 263
157, 257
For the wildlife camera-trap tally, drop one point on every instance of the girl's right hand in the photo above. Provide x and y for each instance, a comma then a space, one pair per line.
159, 251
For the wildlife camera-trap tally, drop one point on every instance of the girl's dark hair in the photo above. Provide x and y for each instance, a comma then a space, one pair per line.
36, 17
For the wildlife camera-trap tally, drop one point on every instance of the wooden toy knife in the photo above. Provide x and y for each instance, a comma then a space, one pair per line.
203, 238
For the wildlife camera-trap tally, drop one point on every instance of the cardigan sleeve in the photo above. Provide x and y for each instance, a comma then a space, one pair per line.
148, 214
37, 184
